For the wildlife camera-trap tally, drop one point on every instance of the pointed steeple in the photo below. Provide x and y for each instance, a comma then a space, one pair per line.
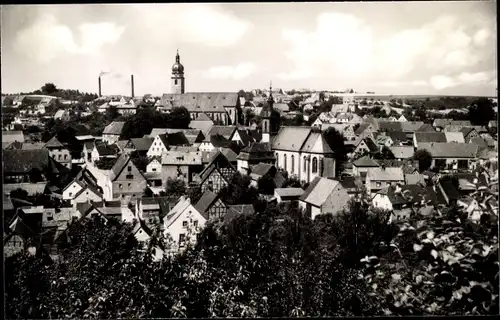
270, 100
177, 57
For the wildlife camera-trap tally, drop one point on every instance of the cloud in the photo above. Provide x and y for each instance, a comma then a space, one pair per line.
238, 72
345, 46
46, 39
207, 24
415, 83
440, 82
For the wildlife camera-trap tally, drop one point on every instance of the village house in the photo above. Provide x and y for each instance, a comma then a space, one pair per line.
402, 152
428, 137
253, 154
112, 132
180, 165
9, 137
211, 206
229, 133
288, 194
216, 175
117, 210
98, 150
124, 107
469, 134
30, 166
399, 200
62, 115
346, 130
230, 155
163, 142
139, 145
214, 143
304, 153
451, 156
152, 210
324, 196
366, 146
183, 222
59, 152
262, 169
381, 177
453, 137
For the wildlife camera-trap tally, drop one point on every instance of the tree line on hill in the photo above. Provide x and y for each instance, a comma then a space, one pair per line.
274, 263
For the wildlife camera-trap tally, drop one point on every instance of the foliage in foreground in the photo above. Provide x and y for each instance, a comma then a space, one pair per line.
273, 263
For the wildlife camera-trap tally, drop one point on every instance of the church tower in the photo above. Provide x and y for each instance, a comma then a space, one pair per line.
270, 119
178, 75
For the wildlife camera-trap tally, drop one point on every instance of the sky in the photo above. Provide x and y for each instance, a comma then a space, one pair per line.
442, 48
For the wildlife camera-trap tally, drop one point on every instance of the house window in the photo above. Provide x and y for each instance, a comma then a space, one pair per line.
129, 185
175, 81
293, 164
195, 223
184, 224
129, 168
130, 177
50, 218
59, 157
463, 164
120, 186
265, 126
379, 184
315, 165
154, 169
65, 156
182, 239
277, 159
71, 194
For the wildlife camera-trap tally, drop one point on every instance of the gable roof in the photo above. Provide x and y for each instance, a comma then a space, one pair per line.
397, 136
450, 150
387, 174
371, 145
26, 160
362, 127
289, 192
426, 128
365, 161
200, 101
219, 141
291, 138
316, 143
178, 209
203, 117
411, 126
206, 201
117, 168
53, 143
31, 188
104, 149
114, 127
430, 137
142, 144
11, 136
402, 152
218, 160
407, 194
454, 137
59, 114
225, 131
319, 190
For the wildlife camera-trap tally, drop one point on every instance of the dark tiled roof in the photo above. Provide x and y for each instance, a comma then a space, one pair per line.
25, 160
200, 101
225, 131
219, 141
397, 136
206, 201
53, 143
106, 150
426, 128
114, 127
430, 137
142, 144
371, 145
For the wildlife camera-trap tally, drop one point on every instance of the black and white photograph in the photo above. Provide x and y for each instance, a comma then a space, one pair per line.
250, 159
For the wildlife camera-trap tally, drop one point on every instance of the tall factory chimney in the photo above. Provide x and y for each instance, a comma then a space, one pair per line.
132, 84
99, 86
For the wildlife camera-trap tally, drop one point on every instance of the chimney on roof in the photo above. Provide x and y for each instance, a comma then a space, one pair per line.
100, 86
132, 84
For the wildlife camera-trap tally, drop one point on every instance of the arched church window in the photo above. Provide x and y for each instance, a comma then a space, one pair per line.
293, 164
277, 159
315, 165
265, 126
175, 81
284, 161
305, 164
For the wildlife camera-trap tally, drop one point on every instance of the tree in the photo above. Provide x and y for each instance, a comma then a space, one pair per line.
49, 89
424, 159
384, 154
335, 140
178, 118
140, 161
19, 194
112, 113
481, 112
175, 187
266, 184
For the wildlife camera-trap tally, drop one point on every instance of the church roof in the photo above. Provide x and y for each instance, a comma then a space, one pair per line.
200, 101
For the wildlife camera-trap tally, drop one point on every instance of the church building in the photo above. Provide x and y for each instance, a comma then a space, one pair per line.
223, 108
